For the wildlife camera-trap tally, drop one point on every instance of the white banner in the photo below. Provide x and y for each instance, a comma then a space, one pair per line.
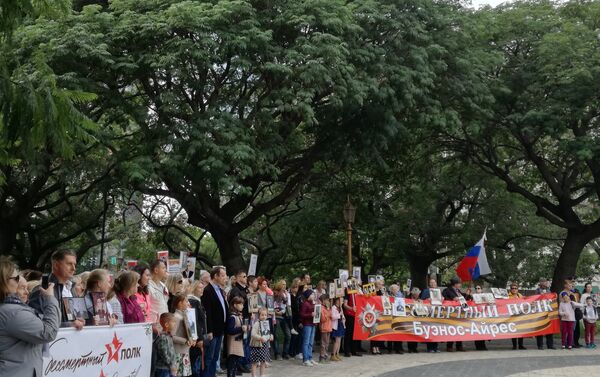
101, 351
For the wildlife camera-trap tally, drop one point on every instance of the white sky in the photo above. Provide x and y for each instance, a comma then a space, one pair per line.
493, 3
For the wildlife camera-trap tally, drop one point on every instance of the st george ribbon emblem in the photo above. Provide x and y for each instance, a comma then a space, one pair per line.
368, 319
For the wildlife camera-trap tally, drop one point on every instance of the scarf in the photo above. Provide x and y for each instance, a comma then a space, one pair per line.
13, 299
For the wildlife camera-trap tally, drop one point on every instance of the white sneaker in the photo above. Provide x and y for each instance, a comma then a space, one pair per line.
294, 332
307, 363
299, 356
314, 363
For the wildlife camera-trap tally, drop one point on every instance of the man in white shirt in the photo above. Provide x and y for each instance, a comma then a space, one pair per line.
159, 294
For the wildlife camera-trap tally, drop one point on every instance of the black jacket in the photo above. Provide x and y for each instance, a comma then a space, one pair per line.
215, 318
200, 317
450, 293
238, 291
295, 300
36, 303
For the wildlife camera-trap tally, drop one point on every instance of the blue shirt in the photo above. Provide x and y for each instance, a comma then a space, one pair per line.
221, 299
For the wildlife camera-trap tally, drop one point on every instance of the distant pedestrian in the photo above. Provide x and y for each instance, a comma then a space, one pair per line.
589, 320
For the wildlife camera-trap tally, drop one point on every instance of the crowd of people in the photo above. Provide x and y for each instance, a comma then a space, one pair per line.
231, 335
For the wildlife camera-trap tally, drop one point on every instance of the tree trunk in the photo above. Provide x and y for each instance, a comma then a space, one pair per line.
418, 270
230, 250
569, 256
8, 238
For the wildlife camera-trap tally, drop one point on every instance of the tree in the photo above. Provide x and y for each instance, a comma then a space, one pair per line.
540, 134
51, 204
36, 113
47, 199
230, 107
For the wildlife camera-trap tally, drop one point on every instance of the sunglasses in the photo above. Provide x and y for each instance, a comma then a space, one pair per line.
15, 278
478, 288
513, 288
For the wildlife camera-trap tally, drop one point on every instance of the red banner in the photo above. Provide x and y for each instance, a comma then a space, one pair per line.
423, 322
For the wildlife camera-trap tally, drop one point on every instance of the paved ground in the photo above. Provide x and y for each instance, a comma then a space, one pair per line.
500, 361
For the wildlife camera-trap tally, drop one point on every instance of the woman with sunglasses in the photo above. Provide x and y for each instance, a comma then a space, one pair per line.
175, 286
22, 332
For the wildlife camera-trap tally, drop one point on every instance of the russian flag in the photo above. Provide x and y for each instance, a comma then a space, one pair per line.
475, 263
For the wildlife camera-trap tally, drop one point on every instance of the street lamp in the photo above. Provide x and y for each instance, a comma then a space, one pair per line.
349, 213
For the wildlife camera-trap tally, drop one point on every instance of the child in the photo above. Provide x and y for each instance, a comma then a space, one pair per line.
307, 313
166, 359
259, 342
566, 312
182, 337
235, 336
589, 320
338, 325
326, 328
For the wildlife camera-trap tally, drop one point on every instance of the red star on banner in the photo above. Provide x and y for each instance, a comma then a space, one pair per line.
113, 355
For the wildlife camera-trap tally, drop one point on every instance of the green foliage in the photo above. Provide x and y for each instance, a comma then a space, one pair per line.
236, 108
36, 113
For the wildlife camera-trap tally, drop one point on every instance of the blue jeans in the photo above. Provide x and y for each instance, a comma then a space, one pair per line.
308, 338
162, 373
213, 351
245, 361
285, 329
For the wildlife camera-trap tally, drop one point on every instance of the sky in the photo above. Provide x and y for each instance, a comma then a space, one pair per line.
493, 3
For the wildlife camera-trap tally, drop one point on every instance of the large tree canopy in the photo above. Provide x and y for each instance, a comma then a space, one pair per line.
540, 136
229, 106
237, 121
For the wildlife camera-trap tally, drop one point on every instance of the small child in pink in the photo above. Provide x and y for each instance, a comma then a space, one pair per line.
566, 311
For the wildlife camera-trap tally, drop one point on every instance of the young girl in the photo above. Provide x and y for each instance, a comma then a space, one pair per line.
259, 342
182, 337
235, 335
566, 311
325, 327
338, 325
589, 320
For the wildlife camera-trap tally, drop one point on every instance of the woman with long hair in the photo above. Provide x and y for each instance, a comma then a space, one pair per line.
194, 295
125, 289
143, 295
283, 311
22, 332
98, 282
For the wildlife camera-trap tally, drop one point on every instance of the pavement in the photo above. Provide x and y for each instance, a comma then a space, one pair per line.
499, 361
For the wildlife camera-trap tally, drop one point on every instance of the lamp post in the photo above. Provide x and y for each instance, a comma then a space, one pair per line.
349, 213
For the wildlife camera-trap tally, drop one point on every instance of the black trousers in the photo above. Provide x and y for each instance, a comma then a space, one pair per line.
412, 346
549, 341
432, 346
515, 340
232, 364
350, 345
480, 345
576, 333
459, 345
395, 346
195, 354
